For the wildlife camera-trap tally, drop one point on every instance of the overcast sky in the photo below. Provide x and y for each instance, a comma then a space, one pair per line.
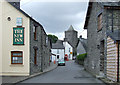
56, 17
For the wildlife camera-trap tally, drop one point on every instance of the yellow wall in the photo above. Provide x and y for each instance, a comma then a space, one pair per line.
7, 42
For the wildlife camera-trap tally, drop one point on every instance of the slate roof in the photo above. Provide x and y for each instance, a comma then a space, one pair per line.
18, 8
71, 28
58, 45
83, 42
114, 35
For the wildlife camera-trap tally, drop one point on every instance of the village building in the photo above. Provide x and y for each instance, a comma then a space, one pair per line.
24, 47
58, 50
71, 36
82, 46
68, 51
102, 24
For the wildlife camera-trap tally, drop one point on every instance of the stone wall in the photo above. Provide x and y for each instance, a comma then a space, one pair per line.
95, 37
35, 44
110, 19
43, 49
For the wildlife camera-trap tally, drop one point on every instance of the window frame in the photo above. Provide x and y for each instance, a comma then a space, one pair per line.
100, 22
35, 33
58, 56
16, 56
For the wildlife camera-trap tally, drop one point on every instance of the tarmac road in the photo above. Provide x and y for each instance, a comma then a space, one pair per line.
71, 73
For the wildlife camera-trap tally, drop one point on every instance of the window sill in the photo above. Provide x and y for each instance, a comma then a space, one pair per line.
17, 65
35, 65
35, 40
99, 30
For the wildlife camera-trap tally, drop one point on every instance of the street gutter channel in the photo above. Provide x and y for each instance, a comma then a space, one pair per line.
31, 76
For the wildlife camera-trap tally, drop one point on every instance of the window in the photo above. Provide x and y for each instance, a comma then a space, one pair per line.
46, 40
57, 56
16, 57
35, 56
100, 22
69, 49
35, 32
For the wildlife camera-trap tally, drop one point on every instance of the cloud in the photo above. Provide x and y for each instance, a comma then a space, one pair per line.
58, 16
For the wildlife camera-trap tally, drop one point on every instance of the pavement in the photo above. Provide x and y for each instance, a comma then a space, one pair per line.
17, 79
71, 73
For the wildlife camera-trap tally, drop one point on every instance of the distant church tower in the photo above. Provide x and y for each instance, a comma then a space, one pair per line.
71, 36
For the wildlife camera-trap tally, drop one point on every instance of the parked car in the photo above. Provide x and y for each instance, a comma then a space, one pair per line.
61, 63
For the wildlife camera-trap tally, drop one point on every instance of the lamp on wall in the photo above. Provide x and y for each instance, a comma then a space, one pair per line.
98, 46
9, 19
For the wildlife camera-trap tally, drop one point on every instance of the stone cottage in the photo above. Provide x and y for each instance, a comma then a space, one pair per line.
23, 42
58, 50
102, 24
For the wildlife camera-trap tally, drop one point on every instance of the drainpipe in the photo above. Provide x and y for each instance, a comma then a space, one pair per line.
112, 19
41, 51
118, 64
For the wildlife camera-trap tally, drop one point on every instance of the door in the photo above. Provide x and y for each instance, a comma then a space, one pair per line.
102, 56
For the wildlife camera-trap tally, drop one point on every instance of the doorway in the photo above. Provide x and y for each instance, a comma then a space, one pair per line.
102, 56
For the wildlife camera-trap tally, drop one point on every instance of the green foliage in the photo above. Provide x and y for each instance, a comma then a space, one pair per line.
53, 38
81, 57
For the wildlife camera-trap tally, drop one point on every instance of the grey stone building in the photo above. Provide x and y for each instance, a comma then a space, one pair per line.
39, 48
71, 36
102, 18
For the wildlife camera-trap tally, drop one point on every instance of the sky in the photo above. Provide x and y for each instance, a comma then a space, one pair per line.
56, 16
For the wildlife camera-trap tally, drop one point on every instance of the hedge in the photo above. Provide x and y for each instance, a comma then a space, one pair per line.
81, 57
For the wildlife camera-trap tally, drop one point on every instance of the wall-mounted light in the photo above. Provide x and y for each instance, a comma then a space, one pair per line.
9, 19
98, 46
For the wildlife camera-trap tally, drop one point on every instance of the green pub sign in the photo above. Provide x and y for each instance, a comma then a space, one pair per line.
18, 36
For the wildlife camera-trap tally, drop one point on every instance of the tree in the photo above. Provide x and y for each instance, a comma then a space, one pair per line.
53, 38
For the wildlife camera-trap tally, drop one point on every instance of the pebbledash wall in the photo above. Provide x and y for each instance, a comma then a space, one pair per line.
7, 42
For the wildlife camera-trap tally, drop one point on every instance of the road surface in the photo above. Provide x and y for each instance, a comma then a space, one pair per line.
71, 73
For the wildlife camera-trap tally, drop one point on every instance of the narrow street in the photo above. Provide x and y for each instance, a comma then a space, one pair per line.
71, 73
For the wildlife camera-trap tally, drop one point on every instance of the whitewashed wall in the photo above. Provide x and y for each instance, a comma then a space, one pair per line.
68, 49
60, 53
